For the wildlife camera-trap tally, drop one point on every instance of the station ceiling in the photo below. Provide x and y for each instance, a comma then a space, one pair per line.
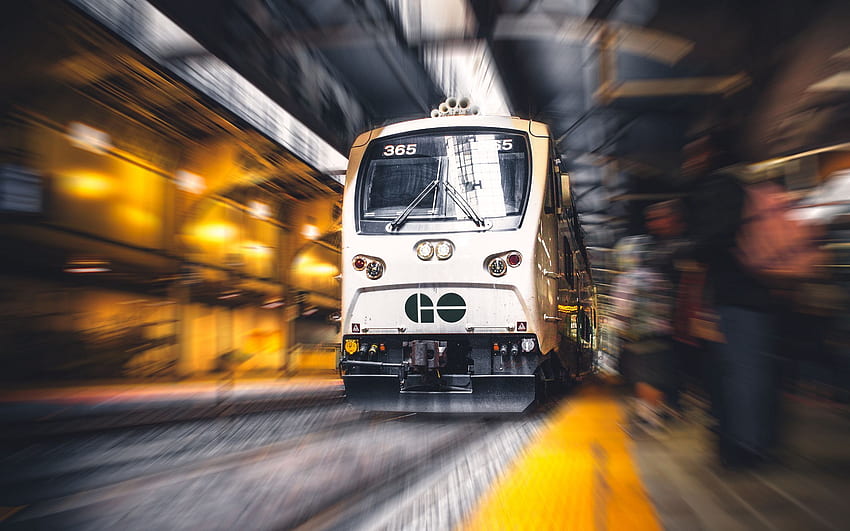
620, 82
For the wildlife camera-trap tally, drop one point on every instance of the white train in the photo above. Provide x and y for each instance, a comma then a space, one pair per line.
465, 281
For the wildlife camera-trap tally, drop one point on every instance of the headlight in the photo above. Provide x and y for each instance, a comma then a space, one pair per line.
374, 269
351, 346
444, 250
425, 250
497, 267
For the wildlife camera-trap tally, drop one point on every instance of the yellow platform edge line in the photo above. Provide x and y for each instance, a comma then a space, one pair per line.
577, 474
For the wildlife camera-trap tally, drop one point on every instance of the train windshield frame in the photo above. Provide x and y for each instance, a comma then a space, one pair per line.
444, 180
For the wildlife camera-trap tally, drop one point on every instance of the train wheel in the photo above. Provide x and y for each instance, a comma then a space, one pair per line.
565, 382
546, 380
539, 386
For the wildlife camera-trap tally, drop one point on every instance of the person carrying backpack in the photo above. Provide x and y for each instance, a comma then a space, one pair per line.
751, 250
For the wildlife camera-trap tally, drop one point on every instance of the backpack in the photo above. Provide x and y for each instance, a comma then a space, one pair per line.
770, 243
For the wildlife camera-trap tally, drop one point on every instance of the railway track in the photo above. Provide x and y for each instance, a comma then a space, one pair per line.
306, 463
297, 458
308, 468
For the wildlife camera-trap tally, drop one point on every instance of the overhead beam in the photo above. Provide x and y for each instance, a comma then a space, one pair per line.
603, 9
659, 46
689, 86
584, 193
645, 197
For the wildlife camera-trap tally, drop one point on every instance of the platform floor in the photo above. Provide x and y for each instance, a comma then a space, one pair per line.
577, 474
594, 469
806, 489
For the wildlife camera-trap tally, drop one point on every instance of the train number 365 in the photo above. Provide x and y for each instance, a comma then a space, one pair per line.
400, 149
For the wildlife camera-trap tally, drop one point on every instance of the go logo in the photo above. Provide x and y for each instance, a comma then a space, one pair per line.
420, 308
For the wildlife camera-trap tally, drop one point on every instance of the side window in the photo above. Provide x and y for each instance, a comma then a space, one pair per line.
585, 326
567, 257
553, 188
549, 201
555, 184
563, 191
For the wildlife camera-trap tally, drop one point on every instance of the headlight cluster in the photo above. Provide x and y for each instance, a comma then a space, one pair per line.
374, 266
427, 249
498, 265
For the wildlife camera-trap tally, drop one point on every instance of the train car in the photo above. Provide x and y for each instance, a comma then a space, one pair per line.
465, 281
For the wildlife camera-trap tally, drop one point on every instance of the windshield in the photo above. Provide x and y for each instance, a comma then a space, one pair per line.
470, 180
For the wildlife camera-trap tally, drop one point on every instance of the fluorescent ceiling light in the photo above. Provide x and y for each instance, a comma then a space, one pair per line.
190, 182
89, 138
148, 29
459, 64
85, 265
259, 210
836, 82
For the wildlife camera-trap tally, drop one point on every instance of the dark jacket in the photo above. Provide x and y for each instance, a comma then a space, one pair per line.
718, 213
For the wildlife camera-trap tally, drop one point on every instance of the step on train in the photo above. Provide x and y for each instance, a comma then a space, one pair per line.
466, 285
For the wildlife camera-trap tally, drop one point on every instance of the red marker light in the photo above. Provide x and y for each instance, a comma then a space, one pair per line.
359, 263
514, 259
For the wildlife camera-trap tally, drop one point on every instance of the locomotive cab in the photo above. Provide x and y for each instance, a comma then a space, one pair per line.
453, 283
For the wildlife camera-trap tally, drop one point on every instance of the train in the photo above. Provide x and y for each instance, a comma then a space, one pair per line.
466, 284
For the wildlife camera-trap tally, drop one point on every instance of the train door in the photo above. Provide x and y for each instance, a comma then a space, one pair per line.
546, 259
566, 268
552, 212
585, 332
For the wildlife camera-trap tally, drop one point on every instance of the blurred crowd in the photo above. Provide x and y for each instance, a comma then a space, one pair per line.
736, 286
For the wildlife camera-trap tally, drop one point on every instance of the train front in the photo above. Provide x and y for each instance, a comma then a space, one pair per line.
440, 232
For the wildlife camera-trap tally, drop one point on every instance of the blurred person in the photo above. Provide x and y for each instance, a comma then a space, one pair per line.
643, 321
669, 254
818, 324
751, 249
743, 371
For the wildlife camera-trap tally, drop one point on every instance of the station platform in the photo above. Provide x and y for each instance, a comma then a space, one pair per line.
593, 469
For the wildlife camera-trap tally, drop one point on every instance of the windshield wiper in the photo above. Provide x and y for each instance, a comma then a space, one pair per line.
464, 205
404, 214
451, 192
